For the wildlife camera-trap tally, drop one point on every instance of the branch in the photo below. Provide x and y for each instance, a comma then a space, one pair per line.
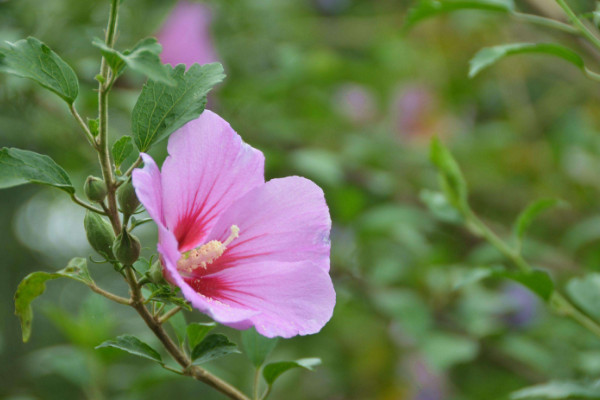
558, 303
83, 204
546, 22
83, 125
103, 152
109, 295
579, 25
179, 356
168, 314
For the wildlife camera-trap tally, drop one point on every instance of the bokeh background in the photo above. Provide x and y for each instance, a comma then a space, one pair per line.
336, 91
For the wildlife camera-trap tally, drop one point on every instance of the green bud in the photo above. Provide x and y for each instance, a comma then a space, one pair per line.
128, 201
155, 273
93, 125
127, 248
95, 189
99, 233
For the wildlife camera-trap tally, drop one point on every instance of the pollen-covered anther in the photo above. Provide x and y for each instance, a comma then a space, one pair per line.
207, 253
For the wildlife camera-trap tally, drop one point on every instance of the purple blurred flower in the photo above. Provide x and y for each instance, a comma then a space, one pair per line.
428, 384
331, 7
185, 36
524, 305
355, 102
412, 109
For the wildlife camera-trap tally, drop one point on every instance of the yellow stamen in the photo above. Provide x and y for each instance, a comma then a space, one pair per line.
207, 253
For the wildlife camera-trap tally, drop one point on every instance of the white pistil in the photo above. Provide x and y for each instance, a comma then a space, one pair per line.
207, 253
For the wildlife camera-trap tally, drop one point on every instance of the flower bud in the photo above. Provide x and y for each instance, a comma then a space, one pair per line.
128, 201
99, 233
155, 273
127, 248
95, 189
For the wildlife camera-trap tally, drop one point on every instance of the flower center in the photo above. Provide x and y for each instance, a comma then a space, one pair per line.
206, 254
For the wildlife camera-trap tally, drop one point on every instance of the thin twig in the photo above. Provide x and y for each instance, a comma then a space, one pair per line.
545, 22
256, 382
109, 295
172, 369
581, 27
132, 167
83, 204
266, 393
103, 152
88, 134
137, 300
161, 320
558, 303
178, 355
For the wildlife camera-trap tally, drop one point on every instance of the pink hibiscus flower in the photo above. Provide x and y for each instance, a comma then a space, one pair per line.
244, 251
186, 37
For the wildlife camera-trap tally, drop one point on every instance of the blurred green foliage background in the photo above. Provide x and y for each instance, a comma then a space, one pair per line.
333, 90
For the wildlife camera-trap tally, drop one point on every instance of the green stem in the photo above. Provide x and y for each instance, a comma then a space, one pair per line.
579, 25
266, 393
546, 22
196, 372
130, 169
83, 125
562, 306
172, 369
256, 382
169, 314
103, 152
558, 303
495, 241
108, 295
83, 204
137, 301
591, 74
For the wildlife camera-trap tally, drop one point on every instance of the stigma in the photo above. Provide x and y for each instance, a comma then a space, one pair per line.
207, 253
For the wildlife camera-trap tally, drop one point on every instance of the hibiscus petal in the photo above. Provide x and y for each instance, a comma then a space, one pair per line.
186, 37
148, 188
235, 317
285, 219
208, 168
293, 298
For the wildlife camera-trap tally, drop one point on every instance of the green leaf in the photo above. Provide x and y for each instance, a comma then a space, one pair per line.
18, 167
93, 125
585, 292
197, 331
452, 180
213, 347
132, 345
440, 207
527, 216
272, 371
490, 55
477, 274
559, 390
256, 346
77, 269
30, 58
31, 287
143, 58
443, 350
164, 293
121, 150
179, 324
432, 8
161, 109
536, 280
34, 284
